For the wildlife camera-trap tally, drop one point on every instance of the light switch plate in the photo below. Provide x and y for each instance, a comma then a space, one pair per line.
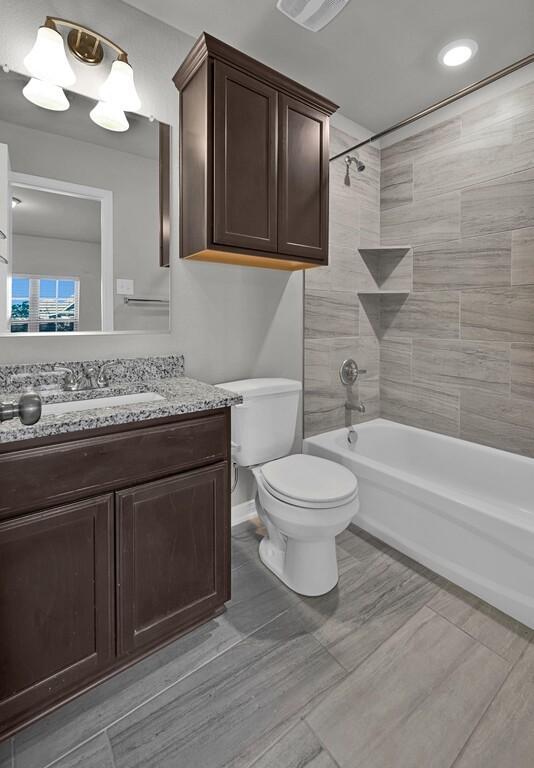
125, 287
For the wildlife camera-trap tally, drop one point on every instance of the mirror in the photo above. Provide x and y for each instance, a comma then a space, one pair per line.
84, 220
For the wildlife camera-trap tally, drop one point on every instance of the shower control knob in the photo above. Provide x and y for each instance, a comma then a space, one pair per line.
349, 372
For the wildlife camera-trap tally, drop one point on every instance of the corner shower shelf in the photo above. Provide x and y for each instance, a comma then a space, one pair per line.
390, 274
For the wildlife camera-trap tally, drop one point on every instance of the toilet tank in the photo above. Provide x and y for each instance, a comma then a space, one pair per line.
264, 427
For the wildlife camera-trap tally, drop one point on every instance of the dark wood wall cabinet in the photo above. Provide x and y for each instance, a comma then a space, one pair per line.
253, 162
96, 574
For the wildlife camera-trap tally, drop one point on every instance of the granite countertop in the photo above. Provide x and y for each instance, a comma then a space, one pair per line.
181, 395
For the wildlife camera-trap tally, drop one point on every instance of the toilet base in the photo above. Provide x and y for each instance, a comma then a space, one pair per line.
306, 567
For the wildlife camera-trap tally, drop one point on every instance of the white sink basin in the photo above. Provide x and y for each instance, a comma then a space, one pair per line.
72, 406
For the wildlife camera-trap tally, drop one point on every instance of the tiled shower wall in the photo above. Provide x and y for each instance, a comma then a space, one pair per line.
457, 354
336, 324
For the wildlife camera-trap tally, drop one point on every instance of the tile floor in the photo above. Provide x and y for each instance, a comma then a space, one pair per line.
395, 668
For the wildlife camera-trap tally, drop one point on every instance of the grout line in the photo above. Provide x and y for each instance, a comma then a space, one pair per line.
475, 639
163, 690
481, 718
321, 742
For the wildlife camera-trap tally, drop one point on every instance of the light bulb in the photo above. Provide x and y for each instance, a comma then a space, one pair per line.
47, 59
457, 53
119, 87
109, 116
46, 95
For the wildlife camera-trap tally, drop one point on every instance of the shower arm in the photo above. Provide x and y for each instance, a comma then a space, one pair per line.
443, 103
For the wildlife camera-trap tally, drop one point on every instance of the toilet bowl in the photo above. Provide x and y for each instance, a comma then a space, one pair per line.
303, 501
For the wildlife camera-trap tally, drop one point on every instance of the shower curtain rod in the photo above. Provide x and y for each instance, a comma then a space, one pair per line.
443, 103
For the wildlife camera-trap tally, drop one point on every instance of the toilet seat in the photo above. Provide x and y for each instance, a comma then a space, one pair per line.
309, 482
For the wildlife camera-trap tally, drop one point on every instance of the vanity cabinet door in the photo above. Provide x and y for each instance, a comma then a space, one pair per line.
56, 604
172, 555
245, 161
303, 185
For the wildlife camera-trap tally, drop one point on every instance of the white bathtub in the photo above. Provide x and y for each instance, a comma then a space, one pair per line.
464, 510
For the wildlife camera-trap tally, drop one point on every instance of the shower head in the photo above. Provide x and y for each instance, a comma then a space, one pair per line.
360, 166
349, 159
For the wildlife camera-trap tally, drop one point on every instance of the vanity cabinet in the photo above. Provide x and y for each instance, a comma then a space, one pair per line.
253, 162
139, 555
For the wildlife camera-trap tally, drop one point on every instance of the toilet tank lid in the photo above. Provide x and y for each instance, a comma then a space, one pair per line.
259, 387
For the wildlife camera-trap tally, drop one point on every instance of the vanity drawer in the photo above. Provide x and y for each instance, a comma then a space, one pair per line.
44, 476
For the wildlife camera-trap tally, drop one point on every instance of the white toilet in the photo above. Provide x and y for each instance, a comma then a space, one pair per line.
304, 501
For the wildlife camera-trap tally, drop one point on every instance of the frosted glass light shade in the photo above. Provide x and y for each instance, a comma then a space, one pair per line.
47, 59
45, 95
119, 87
109, 116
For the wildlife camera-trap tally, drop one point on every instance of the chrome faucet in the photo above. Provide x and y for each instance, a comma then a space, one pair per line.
349, 373
89, 378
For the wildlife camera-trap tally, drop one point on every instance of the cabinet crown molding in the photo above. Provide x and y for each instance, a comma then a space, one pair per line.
209, 46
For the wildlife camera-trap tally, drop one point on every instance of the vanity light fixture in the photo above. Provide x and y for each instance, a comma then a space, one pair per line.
457, 53
50, 69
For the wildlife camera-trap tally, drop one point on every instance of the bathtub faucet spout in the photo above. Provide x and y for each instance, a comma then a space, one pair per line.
360, 407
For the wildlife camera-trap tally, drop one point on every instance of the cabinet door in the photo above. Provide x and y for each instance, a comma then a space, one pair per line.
303, 175
56, 604
173, 545
245, 161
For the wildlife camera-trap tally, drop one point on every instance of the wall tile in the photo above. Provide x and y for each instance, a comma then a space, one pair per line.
434, 220
500, 205
328, 314
522, 357
421, 142
484, 366
396, 186
473, 160
523, 256
473, 262
429, 314
514, 105
499, 314
420, 405
500, 421
396, 360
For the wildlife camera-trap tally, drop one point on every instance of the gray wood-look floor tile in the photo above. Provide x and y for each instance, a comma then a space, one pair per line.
231, 704
257, 597
378, 593
472, 262
504, 737
522, 357
502, 422
433, 220
86, 715
501, 634
500, 205
299, 748
460, 363
428, 314
93, 754
500, 314
6, 754
414, 702
523, 256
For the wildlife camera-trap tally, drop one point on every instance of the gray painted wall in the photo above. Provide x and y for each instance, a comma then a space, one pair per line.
230, 322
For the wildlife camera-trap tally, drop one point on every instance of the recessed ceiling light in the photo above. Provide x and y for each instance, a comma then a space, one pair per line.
458, 52
15, 201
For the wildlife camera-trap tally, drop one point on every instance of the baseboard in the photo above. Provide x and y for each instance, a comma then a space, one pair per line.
243, 512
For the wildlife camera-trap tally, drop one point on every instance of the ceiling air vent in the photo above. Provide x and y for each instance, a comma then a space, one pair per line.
311, 14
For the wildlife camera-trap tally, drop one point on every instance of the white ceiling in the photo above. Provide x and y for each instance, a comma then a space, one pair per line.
378, 58
45, 214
